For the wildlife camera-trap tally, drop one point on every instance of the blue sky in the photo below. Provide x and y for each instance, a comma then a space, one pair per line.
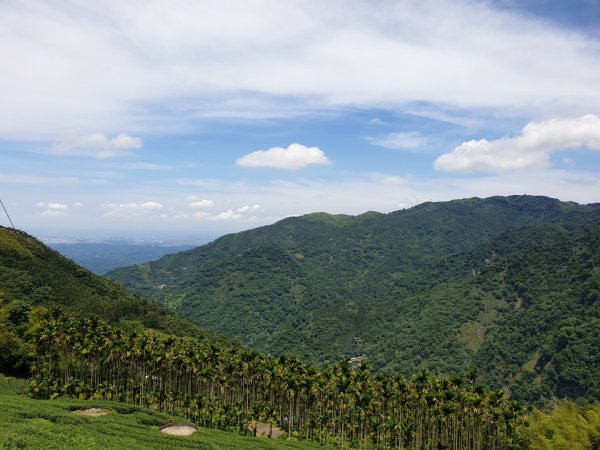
195, 119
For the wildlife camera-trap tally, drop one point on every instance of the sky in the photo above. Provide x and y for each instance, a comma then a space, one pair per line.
198, 118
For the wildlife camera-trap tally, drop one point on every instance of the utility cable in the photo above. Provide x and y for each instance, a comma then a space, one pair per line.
11, 223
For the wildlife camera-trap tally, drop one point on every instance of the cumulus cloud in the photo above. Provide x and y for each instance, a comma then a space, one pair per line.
200, 203
53, 209
131, 209
247, 208
230, 214
530, 150
150, 205
227, 215
97, 145
295, 156
57, 206
399, 141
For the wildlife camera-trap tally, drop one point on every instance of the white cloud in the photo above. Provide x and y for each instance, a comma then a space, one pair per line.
77, 204
53, 209
145, 166
530, 150
150, 205
394, 180
296, 156
97, 145
131, 209
202, 203
247, 208
399, 141
376, 121
133, 205
53, 213
109, 64
226, 215
57, 206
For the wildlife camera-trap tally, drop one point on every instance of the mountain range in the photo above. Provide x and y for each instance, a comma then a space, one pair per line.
508, 285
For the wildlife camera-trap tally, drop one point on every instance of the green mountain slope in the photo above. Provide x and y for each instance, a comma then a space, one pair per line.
32, 274
74, 354
435, 287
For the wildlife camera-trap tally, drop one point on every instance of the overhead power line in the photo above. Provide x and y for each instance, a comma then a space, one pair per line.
11, 223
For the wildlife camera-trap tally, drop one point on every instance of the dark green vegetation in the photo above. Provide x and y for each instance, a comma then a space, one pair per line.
53, 424
31, 274
104, 257
75, 354
228, 388
507, 284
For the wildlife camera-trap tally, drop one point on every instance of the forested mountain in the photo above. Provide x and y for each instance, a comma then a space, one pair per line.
32, 274
506, 284
71, 352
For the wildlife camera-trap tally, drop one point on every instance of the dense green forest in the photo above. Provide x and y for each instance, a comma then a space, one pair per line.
228, 388
506, 284
31, 274
72, 353
535, 288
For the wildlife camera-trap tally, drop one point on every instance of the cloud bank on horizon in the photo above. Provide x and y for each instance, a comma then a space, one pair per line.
157, 116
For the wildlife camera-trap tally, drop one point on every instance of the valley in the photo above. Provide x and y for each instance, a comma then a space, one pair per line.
488, 283
416, 328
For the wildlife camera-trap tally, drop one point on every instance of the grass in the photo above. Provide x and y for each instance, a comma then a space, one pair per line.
52, 424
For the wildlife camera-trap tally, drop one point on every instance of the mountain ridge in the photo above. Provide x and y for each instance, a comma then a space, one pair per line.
411, 289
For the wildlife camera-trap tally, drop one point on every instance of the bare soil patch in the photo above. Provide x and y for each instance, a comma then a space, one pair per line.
262, 429
179, 430
91, 412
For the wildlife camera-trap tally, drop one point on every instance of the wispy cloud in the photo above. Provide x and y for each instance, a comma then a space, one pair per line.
401, 140
175, 62
131, 209
295, 156
530, 150
97, 145
200, 203
145, 166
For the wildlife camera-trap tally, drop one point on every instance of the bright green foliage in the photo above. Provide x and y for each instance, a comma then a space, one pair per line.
52, 424
567, 427
507, 284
